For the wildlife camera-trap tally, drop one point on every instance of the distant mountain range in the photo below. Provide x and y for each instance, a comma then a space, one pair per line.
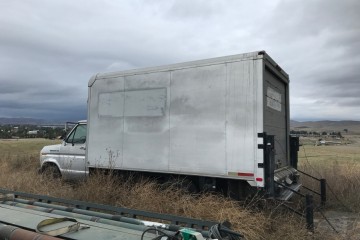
28, 121
336, 126
351, 126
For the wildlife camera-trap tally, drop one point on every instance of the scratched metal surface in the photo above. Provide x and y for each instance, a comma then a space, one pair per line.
199, 118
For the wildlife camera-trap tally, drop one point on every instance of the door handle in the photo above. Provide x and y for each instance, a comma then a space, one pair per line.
83, 148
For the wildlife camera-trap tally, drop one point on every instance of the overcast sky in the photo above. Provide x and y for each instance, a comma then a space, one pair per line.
50, 49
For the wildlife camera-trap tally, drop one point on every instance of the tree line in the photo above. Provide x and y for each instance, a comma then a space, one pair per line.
29, 131
315, 133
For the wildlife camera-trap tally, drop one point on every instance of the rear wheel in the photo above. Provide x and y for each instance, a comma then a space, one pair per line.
239, 190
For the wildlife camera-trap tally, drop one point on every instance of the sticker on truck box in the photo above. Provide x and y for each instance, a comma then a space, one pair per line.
273, 99
135, 103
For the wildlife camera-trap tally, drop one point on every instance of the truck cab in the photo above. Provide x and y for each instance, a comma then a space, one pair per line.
67, 160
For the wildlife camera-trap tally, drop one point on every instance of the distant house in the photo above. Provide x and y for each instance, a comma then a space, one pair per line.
323, 142
33, 132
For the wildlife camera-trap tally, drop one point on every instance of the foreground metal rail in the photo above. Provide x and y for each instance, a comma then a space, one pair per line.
30, 216
113, 213
38, 217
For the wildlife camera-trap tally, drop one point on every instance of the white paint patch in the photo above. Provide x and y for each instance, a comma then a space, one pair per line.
139, 103
273, 99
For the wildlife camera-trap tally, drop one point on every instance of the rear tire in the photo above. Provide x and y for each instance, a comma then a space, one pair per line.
239, 190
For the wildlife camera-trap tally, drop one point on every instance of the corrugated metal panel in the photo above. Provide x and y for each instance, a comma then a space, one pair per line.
197, 120
241, 116
146, 138
105, 133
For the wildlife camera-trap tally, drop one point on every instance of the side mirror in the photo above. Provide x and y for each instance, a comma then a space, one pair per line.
63, 136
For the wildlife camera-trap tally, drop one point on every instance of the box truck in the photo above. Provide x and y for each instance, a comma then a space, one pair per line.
221, 123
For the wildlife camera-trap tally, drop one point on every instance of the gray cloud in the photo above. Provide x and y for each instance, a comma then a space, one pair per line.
318, 44
49, 50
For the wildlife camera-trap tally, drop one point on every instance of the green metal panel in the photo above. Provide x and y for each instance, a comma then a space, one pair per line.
28, 218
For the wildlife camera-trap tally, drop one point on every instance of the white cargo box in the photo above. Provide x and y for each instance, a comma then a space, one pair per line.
197, 118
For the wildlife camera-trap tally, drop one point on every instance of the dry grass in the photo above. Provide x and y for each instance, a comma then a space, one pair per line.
340, 166
18, 172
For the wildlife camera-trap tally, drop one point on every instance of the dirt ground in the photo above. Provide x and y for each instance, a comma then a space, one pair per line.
345, 223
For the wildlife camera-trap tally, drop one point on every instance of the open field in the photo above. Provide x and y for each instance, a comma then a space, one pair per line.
340, 165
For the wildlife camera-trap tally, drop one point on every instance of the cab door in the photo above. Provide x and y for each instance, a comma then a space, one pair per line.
72, 154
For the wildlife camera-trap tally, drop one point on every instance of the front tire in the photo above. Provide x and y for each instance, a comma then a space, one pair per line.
52, 171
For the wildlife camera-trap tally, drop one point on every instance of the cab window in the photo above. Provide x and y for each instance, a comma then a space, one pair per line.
78, 135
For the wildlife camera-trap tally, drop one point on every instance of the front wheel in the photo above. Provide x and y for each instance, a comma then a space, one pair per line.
51, 171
